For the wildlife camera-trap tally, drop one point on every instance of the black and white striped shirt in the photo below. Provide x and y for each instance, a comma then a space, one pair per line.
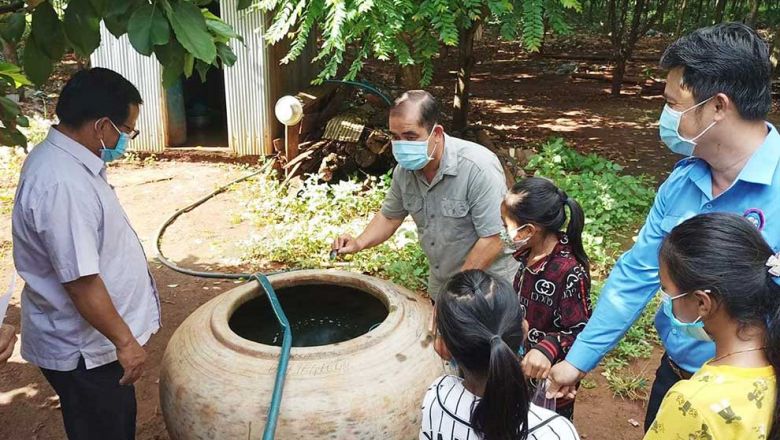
447, 408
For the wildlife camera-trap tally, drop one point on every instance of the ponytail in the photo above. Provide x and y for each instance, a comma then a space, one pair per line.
773, 351
481, 322
502, 414
574, 232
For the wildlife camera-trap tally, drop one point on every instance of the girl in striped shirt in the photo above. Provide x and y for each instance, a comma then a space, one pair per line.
480, 325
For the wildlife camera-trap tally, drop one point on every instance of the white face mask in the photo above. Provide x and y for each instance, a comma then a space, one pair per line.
508, 237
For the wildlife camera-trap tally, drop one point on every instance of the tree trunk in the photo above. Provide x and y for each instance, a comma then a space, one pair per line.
681, 19
752, 18
460, 114
699, 13
733, 9
617, 78
720, 8
775, 53
11, 55
411, 76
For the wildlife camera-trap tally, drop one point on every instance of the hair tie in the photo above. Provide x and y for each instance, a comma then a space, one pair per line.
494, 338
773, 263
563, 196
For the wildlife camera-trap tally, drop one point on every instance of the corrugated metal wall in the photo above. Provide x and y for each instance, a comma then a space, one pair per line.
145, 73
247, 84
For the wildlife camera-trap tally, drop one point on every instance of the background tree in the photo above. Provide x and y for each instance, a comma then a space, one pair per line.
627, 22
181, 35
409, 33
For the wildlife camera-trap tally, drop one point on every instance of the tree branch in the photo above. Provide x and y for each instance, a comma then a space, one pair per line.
13, 7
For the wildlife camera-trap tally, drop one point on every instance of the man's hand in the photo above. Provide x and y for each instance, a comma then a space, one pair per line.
132, 357
535, 365
563, 381
345, 244
7, 342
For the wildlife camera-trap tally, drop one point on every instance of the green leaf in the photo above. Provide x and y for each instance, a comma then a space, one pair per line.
220, 28
47, 28
243, 4
572, 4
11, 138
226, 54
117, 25
82, 26
171, 56
117, 17
203, 70
147, 28
22, 121
12, 27
14, 73
99, 6
190, 29
120, 7
37, 65
9, 110
189, 64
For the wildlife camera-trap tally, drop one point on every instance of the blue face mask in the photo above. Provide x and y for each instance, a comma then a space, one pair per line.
693, 329
112, 154
669, 126
413, 155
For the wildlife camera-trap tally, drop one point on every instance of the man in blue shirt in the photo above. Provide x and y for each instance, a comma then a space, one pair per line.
717, 95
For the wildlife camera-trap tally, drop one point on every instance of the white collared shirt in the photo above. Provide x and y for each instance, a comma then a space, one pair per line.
67, 224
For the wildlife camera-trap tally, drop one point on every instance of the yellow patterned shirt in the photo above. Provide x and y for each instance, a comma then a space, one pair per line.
718, 402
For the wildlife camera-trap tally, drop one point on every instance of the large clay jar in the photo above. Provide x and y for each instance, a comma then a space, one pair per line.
216, 384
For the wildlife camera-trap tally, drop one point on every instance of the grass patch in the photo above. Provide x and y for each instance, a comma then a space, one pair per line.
10, 166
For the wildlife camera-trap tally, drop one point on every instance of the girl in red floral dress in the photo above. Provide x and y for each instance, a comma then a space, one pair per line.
553, 281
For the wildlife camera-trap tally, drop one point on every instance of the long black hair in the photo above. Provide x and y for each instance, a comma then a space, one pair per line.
537, 200
481, 322
726, 254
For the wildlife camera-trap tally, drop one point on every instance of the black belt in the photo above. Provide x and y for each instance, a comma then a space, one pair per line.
682, 374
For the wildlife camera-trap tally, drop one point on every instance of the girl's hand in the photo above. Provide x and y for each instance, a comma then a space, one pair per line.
563, 381
535, 365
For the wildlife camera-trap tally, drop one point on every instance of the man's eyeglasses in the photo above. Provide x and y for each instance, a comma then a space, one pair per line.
133, 133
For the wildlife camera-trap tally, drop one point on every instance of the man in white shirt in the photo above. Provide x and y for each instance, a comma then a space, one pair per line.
89, 302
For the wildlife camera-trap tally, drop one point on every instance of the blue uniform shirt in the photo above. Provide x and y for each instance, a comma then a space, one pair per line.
634, 280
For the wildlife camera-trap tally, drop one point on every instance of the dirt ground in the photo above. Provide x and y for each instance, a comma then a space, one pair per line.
522, 97
204, 238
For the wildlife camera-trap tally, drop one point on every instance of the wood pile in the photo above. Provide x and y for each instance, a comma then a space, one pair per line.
337, 136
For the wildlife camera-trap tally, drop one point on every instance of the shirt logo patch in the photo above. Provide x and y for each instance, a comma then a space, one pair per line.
756, 216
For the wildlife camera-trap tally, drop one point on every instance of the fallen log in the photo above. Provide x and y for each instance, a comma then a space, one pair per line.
605, 77
599, 57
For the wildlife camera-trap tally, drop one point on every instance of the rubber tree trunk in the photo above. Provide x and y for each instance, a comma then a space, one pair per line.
11, 54
700, 13
466, 61
681, 19
617, 77
411, 76
752, 18
720, 9
775, 55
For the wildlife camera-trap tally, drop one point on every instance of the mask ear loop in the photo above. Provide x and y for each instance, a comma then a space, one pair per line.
98, 131
693, 140
433, 131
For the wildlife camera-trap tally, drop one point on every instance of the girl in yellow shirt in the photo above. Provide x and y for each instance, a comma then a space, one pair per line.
721, 282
